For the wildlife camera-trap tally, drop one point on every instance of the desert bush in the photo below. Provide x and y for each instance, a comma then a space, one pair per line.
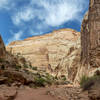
40, 82
17, 67
63, 78
83, 79
49, 79
34, 68
26, 66
43, 80
1, 60
86, 82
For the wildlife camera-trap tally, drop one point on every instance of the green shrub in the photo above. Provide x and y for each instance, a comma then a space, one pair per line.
26, 66
64, 78
83, 79
49, 79
1, 60
86, 82
34, 68
40, 82
17, 67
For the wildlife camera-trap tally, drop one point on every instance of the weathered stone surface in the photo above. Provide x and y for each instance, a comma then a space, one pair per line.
68, 93
10, 76
90, 41
94, 92
90, 35
54, 51
7, 93
2, 48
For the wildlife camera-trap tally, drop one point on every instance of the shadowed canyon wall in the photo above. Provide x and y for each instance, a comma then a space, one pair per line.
2, 48
90, 35
90, 41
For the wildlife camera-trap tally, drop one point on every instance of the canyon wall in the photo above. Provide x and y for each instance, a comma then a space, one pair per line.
90, 42
2, 48
90, 35
54, 52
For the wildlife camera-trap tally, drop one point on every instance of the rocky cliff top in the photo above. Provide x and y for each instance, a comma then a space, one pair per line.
61, 33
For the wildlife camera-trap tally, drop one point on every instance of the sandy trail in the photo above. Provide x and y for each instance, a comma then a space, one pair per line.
34, 94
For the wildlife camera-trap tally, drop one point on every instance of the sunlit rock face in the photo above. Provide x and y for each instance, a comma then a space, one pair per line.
2, 48
54, 52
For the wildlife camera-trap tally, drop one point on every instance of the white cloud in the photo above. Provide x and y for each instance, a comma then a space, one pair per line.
60, 13
16, 36
6, 4
38, 16
52, 12
3, 3
25, 15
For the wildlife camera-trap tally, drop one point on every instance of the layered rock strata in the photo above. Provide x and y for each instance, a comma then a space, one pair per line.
49, 51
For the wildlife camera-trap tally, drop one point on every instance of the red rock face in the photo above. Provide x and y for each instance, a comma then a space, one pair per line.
2, 48
90, 35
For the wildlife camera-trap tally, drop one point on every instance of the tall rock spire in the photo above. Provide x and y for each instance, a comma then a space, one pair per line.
2, 48
90, 35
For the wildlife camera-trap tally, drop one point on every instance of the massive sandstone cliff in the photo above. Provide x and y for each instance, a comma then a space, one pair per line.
54, 52
90, 35
90, 41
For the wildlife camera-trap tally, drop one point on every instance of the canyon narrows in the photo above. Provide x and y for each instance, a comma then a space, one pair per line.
65, 63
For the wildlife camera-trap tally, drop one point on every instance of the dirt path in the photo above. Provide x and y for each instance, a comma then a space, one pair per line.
51, 93
34, 94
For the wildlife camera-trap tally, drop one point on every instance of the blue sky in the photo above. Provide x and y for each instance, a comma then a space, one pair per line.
20, 19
